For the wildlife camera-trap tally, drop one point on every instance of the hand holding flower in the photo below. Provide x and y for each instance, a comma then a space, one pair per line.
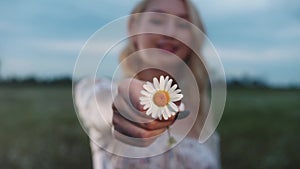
130, 122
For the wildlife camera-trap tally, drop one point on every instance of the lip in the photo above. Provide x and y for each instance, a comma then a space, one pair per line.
167, 47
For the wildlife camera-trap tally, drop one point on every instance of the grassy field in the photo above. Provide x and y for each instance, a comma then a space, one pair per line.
39, 129
260, 129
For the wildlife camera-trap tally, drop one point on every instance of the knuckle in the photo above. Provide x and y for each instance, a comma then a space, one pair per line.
115, 120
114, 108
121, 90
143, 134
150, 126
124, 85
145, 125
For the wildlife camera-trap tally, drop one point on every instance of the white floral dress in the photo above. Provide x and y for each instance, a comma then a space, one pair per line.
187, 154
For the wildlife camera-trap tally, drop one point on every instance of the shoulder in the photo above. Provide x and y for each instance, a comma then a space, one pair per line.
86, 89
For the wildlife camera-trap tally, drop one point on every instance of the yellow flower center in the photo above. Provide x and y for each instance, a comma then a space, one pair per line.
161, 98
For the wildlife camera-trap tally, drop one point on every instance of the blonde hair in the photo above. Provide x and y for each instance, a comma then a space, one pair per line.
195, 64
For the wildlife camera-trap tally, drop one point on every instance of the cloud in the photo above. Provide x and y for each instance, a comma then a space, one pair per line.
40, 67
45, 37
263, 55
57, 45
274, 65
289, 32
54, 57
231, 8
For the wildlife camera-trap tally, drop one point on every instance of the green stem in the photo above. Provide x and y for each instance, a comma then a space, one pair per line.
172, 140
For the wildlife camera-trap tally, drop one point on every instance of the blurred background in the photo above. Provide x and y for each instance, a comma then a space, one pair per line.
258, 42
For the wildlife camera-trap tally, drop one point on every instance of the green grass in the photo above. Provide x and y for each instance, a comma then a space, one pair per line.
260, 129
39, 129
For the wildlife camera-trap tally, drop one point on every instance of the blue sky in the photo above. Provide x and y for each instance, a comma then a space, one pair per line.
258, 38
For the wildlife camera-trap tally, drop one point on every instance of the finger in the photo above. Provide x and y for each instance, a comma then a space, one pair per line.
127, 95
155, 125
158, 124
136, 86
125, 138
133, 141
130, 129
129, 112
130, 90
152, 125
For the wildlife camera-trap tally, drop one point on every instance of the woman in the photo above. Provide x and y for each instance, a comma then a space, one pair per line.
163, 44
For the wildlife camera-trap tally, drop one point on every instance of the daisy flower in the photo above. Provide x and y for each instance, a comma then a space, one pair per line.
159, 97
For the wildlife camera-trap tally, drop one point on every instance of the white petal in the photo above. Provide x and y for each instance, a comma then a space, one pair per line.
145, 98
145, 102
168, 85
177, 91
155, 110
165, 115
176, 97
167, 111
173, 106
161, 83
166, 79
154, 115
156, 83
143, 92
173, 88
148, 112
149, 87
181, 107
146, 106
158, 113
159, 116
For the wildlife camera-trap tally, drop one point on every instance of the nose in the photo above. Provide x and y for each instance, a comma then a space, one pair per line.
170, 29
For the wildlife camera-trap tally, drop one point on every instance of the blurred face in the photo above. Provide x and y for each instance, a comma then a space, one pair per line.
166, 32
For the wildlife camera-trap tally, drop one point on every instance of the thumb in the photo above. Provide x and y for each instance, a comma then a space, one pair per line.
136, 86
